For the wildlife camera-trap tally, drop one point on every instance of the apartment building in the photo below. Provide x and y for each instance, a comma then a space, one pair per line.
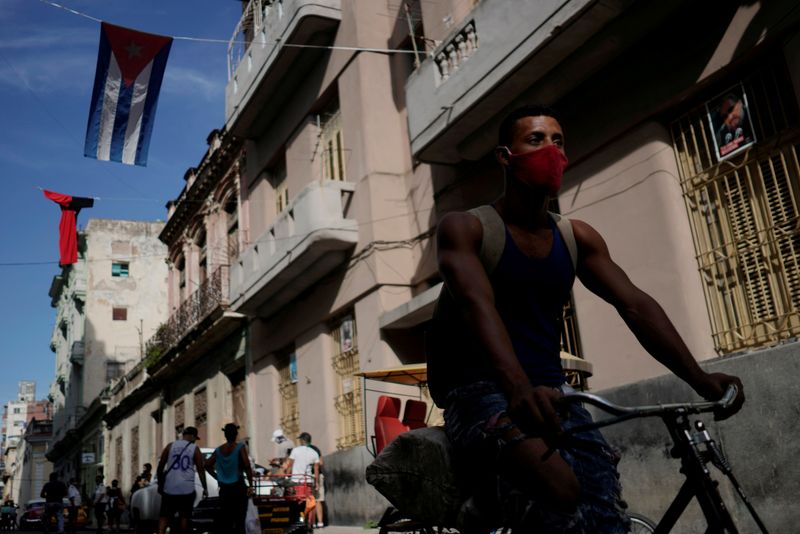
193, 373
18, 415
681, 124
300, 250
31, 468
107, 305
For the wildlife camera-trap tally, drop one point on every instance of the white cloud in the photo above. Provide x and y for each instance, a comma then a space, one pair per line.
191, 82
47, 74
30, 38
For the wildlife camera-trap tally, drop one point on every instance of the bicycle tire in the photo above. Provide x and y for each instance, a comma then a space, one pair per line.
641, 524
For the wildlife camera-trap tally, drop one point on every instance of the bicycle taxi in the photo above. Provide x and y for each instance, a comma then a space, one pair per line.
414, 471
425, 495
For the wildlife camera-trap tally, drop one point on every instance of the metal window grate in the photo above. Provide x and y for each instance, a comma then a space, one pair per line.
290, 408
118, 459
348, 399
745, 218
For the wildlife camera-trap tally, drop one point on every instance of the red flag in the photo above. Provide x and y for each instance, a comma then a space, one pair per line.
67, 228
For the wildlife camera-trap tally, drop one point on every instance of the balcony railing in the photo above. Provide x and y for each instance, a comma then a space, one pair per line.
249, 27
209, 296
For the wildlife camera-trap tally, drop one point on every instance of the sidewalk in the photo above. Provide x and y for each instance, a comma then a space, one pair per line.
331, 529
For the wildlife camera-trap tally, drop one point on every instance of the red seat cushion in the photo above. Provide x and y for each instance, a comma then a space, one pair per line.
387, 422
415, 414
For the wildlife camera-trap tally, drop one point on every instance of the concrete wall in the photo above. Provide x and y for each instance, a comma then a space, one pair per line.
762, 442
350, 500
630, 193
143, 293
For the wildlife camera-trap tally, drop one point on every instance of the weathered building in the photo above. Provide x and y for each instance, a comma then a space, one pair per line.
193, 373
32, 468
681, 124
107, 305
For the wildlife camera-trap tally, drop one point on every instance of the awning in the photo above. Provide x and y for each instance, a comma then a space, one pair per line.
415, 374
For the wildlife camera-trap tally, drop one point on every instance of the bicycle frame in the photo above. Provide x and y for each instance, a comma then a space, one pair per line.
694, 447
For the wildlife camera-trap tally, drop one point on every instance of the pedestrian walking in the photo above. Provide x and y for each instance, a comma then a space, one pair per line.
53, 493
147, 473
116, 505
228, 464
74, 496
317, 516
176, 469
100, 503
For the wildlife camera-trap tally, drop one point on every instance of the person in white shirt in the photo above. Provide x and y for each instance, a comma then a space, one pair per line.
74, 496
303, 462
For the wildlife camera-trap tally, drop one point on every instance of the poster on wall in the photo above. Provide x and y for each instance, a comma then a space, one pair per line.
346, 334
731, 123
293, 368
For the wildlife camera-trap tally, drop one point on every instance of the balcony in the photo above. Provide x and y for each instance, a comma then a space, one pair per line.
508, 53
262, 69
201, 310
309, 239
77, 352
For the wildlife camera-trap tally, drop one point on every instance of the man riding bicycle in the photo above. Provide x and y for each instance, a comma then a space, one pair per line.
494, 345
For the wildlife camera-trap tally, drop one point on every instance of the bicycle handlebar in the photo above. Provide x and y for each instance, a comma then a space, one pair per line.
656, 409
623, 413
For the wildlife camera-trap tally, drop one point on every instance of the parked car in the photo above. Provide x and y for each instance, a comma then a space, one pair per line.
146, 503
33, 515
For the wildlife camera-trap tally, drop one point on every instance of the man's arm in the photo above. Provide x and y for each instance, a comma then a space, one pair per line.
201, 472
287, 466
210, 463
244, 457
645, 317
162, 463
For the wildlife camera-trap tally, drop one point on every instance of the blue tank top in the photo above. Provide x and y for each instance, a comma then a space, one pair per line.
227, 467
530, 294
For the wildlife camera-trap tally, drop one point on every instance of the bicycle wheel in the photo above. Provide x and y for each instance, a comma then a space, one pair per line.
641, 524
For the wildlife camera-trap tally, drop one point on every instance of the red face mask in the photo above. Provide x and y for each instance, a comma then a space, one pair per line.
540, 168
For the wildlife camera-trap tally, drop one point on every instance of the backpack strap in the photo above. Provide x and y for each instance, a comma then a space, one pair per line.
564, 226
494, 236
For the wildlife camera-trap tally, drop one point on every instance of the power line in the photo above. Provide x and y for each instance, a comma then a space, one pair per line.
221, 245
228, 41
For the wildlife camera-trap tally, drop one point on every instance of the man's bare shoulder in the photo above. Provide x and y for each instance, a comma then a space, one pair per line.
459, 228
585, 234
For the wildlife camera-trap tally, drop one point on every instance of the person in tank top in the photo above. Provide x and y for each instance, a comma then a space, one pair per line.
228, 464
176, 474
493, 347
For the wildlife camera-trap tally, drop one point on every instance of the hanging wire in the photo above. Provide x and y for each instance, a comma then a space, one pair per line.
227, 41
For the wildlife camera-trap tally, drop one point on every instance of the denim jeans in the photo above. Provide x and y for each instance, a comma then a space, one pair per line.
471, 424
54, 509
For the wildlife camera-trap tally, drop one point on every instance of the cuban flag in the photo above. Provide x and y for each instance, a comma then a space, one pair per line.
130, 68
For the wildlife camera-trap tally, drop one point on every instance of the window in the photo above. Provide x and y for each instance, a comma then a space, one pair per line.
281, 187
119, 269
180, 417
119, 314
181, 266
134, 462
201, 412
290, 411
743, 213
114, 370
331, 146
348, 400
232, 211
118, 459
202, 244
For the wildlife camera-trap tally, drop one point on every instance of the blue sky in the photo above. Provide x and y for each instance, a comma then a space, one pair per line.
47, 64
